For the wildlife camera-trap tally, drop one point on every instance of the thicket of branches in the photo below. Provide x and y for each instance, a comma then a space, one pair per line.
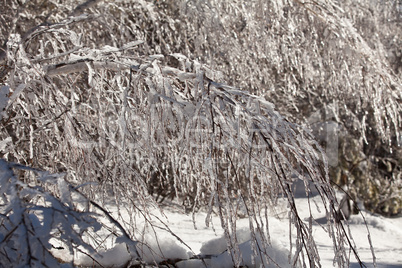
333, 66
139, 96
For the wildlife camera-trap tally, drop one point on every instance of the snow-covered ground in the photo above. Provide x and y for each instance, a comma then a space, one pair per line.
386, 236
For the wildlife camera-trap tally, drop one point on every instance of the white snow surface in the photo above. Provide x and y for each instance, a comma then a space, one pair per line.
385, 233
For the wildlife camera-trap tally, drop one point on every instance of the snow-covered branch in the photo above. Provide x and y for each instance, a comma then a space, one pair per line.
38, 221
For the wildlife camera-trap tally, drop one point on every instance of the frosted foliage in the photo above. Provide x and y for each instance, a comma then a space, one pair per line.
307, 58
311, 53
141, 106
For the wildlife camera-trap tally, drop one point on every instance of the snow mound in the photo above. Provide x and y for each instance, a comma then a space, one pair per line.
156, 250
219, 245
114, 257
153, 251
277, 255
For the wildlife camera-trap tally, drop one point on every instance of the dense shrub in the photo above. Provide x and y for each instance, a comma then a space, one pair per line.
214, 103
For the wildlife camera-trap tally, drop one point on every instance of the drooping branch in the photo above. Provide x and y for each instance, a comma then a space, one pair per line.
43, 28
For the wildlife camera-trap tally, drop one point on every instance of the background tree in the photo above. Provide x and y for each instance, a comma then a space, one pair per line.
338, 64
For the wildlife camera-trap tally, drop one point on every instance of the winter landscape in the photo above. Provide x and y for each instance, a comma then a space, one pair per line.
385, 233
200, 133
